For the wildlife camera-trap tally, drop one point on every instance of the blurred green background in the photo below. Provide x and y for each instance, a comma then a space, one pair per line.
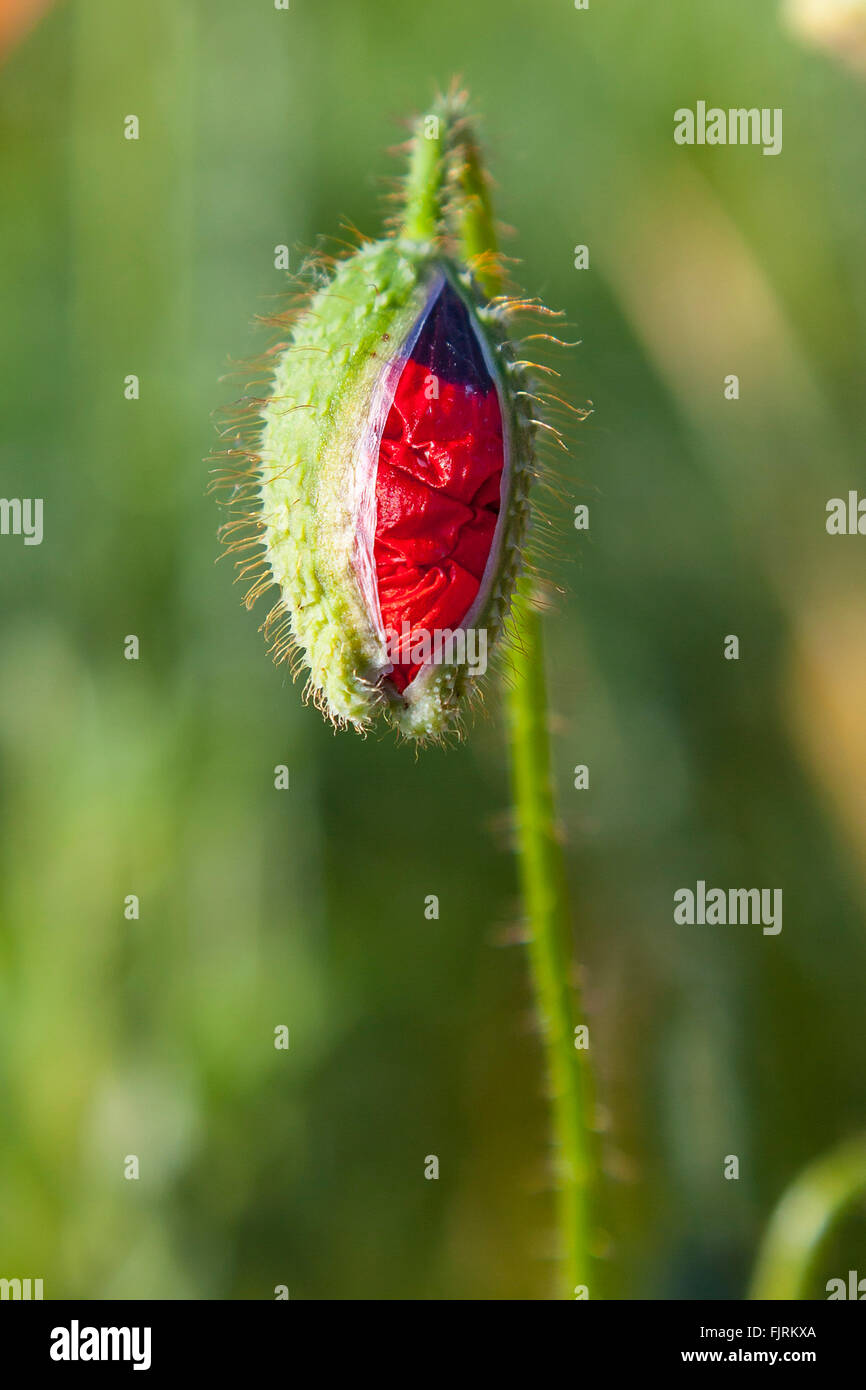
306, 908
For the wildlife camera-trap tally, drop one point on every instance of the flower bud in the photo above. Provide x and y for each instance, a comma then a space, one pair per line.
393, 457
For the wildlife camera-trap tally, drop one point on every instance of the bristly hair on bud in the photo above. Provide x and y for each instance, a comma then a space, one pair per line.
382, 482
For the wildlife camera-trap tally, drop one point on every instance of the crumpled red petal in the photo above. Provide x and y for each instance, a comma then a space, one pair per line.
438, 481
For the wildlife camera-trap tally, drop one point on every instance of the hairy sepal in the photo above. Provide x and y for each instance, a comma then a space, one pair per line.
321, 426
313, 422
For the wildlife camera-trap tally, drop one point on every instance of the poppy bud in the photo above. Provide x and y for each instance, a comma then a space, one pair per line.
392, 461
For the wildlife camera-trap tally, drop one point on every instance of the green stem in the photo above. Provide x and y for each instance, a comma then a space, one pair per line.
476, 225
446, 189
424, 185
447, 193
543, 882
541, 861
804, 1215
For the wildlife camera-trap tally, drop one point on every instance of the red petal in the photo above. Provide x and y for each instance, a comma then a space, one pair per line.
438, 480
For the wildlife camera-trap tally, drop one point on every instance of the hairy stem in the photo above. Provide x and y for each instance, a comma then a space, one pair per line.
543, 883
424, 183
542, 869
